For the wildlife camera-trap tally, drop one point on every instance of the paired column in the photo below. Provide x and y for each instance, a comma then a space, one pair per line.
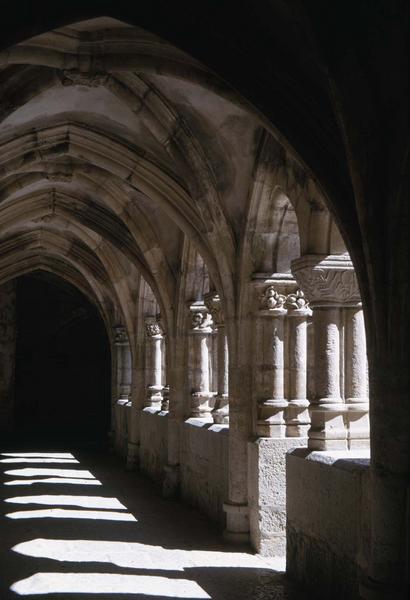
220, 412
339, 412
269, 364
200, 335
356, 378
155, 336
123, 364
297, 415
122, 390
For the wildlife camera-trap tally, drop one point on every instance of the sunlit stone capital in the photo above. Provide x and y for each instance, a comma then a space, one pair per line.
327, 280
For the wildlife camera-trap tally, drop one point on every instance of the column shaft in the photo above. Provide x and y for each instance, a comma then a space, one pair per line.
297, 414
200, 341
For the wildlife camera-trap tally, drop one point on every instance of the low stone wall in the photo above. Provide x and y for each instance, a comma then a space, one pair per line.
267, 493
153, 442
204, 467
327, 520
122, 412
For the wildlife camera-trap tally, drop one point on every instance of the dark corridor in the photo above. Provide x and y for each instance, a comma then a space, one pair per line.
63, 366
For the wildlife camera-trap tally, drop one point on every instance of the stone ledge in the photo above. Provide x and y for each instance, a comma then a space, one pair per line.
152, 410
203, 424
347, 460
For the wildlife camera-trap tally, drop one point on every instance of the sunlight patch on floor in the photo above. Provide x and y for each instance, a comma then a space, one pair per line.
62, 513
63, 500
132, 555
30, 472
107, 583
38, 454
38, 460
60, 480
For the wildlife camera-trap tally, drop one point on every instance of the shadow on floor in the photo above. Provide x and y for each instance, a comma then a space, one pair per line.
76, 525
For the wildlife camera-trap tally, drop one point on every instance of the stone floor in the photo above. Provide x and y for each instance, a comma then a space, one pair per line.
76, 525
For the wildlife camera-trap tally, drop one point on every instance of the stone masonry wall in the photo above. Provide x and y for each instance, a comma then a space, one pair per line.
204, 467
327, 521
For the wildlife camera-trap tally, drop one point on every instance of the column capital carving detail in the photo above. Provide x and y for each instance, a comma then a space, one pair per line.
271, 299
201, 318
120, 335
153, 327
327, 280
214, 305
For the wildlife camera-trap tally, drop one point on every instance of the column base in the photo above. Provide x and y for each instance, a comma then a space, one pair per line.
170, 484
271, 422
221, 416
201, 407
154, 396
220, 413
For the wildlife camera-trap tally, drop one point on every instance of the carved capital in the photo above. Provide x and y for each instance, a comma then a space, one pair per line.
120, 335
296, 301
214, 305
153, 327
270, 299
327, 280
201, 320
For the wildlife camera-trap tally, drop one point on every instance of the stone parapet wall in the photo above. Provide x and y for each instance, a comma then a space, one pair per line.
153, 443
204, 467
327, 520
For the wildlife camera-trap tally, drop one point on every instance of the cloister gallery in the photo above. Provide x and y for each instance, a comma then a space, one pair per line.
200, 245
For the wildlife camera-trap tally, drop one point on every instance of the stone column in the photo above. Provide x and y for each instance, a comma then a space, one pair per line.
269, 371
199, 347
123, 387
220, 412
123, 350
330, 285
154, 334
356, 378
278, 428
297, 414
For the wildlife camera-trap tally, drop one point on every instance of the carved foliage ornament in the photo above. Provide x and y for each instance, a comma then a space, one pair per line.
201, 320
120, 335
329, 285
271, 299
214, 305
153, 328
296, 301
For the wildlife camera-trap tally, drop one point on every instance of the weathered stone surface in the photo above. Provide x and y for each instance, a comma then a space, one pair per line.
328, 520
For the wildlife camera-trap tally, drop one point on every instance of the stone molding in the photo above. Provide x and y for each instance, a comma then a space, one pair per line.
327, 280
